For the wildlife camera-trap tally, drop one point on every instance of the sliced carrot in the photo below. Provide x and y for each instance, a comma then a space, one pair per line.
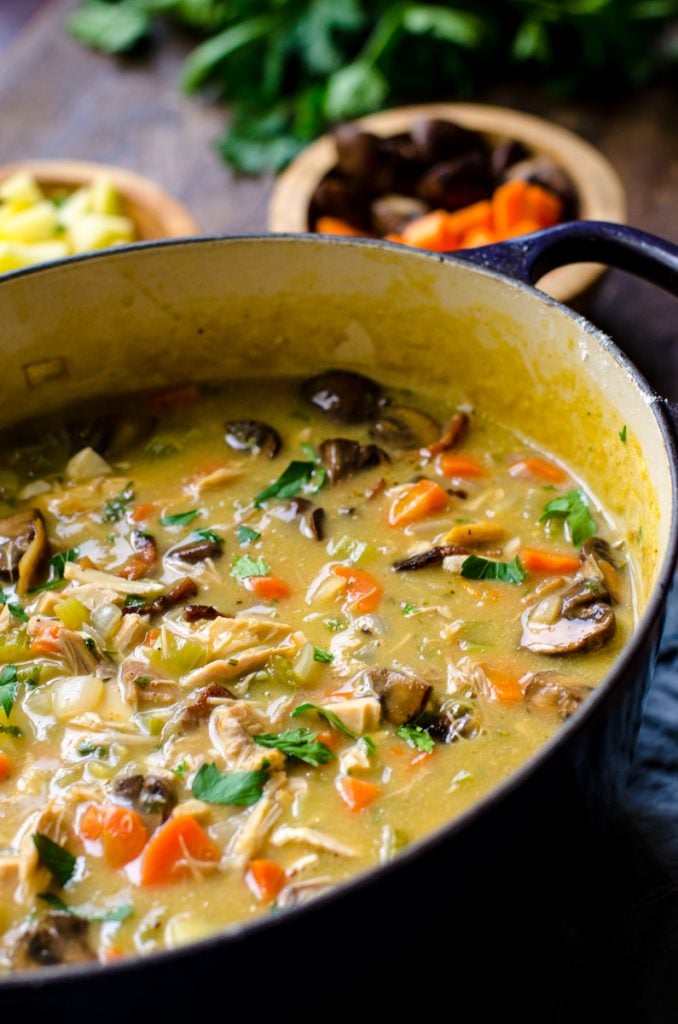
178, 396
151, 636
538, 467
357, 794
5, 766
393, 237
526, 226
168, 851
454, 464
509, 206
476, 237
543, 206
477, 215
335, 226
505, 687
329, 738
91, 824
46, 638
430, 232
548, 562
111, 953
417, 502
268, 588
123, 835
140, 513
363, 591
265, 879
421, 758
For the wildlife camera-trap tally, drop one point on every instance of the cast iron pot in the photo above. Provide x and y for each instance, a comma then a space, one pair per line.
514, 865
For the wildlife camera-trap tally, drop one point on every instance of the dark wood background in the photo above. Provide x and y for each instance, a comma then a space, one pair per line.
58, 99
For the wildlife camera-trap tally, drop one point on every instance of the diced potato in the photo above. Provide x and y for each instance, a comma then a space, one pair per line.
103, 196
98, 231
75, 695
85, 465
360, 715
74, 207
20, 191
36, 224
186, 927
14, 255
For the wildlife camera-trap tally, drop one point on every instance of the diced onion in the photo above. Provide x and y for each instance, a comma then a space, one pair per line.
76, 695
85, 465
305, 667
105, 618
184, 928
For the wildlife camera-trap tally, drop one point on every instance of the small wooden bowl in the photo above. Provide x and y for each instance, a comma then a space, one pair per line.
600, 191
155, 213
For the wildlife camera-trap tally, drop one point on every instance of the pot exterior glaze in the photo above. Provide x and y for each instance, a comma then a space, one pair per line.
149, 316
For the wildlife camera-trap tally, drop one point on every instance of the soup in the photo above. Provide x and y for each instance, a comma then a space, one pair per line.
257, 637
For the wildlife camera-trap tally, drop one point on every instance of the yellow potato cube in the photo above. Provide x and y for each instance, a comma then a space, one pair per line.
15, 255
36, 224
20, 191
98, 230
74, 206
103, 196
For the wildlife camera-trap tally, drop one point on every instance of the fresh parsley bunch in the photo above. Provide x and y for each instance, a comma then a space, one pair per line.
290, 68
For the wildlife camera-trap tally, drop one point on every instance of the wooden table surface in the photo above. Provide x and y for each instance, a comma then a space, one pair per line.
58, 99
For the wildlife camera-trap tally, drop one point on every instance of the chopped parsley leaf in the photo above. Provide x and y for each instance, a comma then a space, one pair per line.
180, 518
573, 507
208, 534
323, 656
9, 685
58, 861
18, 612
56, 565
416, 737
623, 434
298, 743
245, 566
11, 730
241, 788
246, 534
289, 483
476, 568
116, 914
181, 769
408, 609
115, 509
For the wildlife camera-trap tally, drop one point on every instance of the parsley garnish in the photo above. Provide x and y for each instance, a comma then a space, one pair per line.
180, 518
18, 612
115, 509
117, 914
135, 601
181, 769
408, 609
58, 861
623, 435
290, 482
416, 737
208, 534
323, 656
9, 685
241, 788
298, 743
11, 730
476, 568
91, 748
573, 507
56, 567
335, 625
335, 721
245, 534
245, 566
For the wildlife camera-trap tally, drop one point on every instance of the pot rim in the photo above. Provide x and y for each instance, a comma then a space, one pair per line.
39, 978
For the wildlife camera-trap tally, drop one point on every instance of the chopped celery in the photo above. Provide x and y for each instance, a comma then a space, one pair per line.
355, 551
72, 613
178, 655
14, 645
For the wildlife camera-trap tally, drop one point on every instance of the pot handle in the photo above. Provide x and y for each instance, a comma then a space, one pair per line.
529, 257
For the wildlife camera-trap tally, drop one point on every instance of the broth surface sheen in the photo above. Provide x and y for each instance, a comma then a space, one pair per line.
259, 636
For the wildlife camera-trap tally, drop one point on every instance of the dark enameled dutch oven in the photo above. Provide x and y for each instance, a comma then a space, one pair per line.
482, 904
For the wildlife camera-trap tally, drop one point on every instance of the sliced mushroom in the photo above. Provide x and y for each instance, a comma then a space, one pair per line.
505, 154
599, 563
343, 458
23, 547
456, 183
178, 592
151, 796
254, 437
403, 428
109, 434
402, 697
435, 139
579, 619
457, 720
311, 520
377, 165
54, 938
345, 396
339, 197
452, 434
390, 214
555, 693
198, 612
203, 706
433, 556
197, 550
145, 558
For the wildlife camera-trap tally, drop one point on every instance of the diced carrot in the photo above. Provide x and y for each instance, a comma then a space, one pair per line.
91, 824
344, 693
421, 758
111, 953
526, 226
476, 237
505, 687
357, 794
393, 237
167, 853
543, 206
123, 836
538, 467
268, 588
46, 639
178, 396
5, 766
508, 206
477, 215
363, 591
329, 738
548, 562
151, 636
335, 226
265, 879
140, 513
454, 464
430, 232
417, 502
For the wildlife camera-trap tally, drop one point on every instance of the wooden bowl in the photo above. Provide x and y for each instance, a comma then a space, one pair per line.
155, 213
600, 191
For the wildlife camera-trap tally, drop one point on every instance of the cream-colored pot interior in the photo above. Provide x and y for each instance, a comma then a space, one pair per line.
146, 317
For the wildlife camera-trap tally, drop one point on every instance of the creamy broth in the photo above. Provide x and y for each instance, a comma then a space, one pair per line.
213, 561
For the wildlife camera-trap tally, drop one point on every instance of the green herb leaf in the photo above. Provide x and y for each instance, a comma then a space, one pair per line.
18, 612
335, 625
9, 685
241, 788
288, 483
573, 507
56, 565
328, 715
58, 861
416, 737
320, 654
135, 601
298, 743
246, 534
181, 769
208, 534
180, 518
113, 28
245, 566
476, 568
623, 434
408, 609
354, 90
115, 509
116, 914
11, 730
